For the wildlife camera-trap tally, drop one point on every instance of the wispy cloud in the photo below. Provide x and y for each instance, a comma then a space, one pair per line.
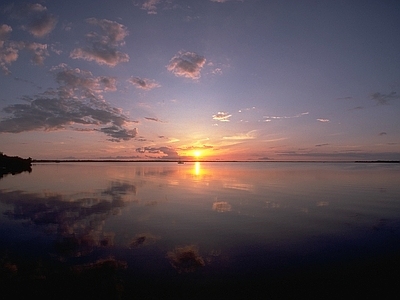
103, 46
357, 108
244, 136
78, 101
322, 145
222, 116
144, 83
247, 109
382, 133
186, 64
384, 99
153, 119
158, 152
323, 120
270, 118
197, 147
340, 155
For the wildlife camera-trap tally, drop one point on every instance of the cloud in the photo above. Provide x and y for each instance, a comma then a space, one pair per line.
152, 119
42, 25
270, 118
150, 6
186, 64
384, 99
78, 101
185, 259
144, 83
159, 152
40, 22
357, 108
341, 155
323, 120
222, 116
217, 71
117, 133
8, 50
246, 136
39, 52
202, 147
5, 31
103, 47
322, 145
382, 133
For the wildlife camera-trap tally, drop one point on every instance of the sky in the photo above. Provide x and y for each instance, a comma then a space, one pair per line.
200, 79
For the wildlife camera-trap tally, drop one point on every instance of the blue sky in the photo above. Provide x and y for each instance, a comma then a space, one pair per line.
246, 80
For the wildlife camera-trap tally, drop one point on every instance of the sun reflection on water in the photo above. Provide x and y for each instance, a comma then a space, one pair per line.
197, 169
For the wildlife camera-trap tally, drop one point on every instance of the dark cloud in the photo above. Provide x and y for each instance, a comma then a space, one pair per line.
42, 25
144, 83
103, 46
77, 223
38, 21
357, 108
77, 101
185, 259
384, 99
152, 119
383, 133
321, 145
162, 152
186, 64
117, 133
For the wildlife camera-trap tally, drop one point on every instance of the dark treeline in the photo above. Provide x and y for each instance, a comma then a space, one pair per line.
14, 165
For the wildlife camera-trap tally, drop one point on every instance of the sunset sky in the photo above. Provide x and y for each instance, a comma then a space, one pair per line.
221, 79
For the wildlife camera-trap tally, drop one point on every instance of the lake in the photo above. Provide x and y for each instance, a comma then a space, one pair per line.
201, 230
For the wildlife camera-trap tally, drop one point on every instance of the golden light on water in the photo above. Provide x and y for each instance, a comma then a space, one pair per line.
197, 169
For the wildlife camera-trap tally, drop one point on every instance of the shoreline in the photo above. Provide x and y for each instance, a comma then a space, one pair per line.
206, 161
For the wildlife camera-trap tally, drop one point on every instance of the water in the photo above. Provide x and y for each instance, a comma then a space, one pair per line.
201, 230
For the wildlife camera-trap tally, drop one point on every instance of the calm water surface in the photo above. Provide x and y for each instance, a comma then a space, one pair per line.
201, 230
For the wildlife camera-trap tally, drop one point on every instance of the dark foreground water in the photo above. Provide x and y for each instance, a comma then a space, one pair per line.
201, 230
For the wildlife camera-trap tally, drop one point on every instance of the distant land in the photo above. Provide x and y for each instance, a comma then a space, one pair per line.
217, 161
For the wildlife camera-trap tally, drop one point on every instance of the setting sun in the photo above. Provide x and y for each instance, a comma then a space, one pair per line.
197, 153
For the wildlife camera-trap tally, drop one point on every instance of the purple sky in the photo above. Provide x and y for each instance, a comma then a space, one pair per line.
224, 79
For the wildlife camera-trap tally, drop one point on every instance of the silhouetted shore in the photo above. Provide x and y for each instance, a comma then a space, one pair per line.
207, 161
14, 165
